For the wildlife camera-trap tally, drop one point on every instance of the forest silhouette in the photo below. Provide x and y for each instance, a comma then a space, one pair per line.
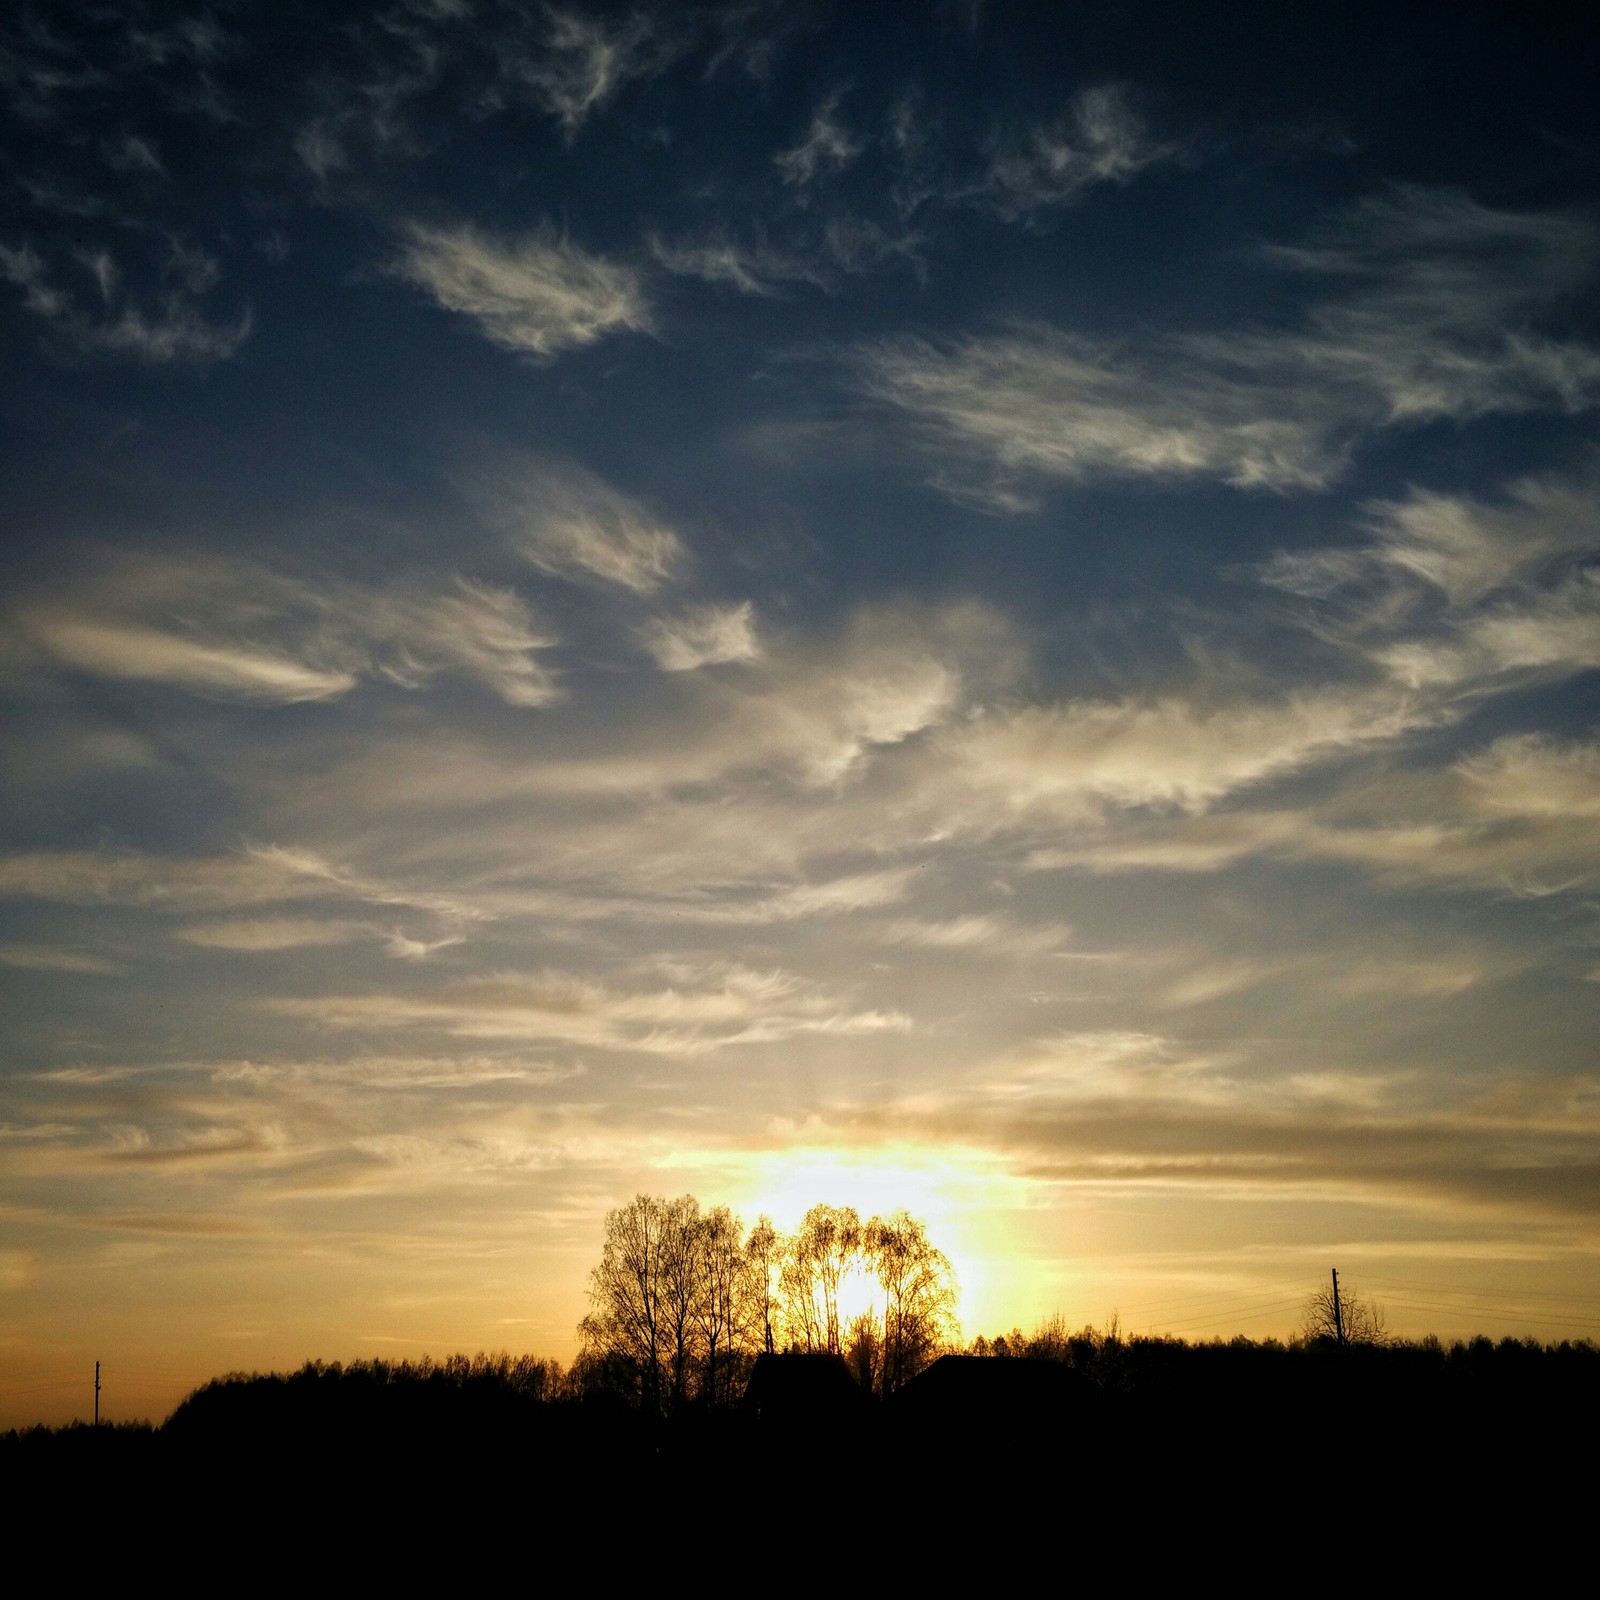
719, 1373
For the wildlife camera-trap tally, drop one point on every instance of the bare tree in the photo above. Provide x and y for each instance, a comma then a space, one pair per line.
682, 1301
730, 1306
1359, 1317
919, 1290
624, 1331
681, 1295
819, 1255
765, 1250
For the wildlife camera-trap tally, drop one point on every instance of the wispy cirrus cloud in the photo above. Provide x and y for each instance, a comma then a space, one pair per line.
569, 523
52, 958
710, 1007
576, 62
1451, 594
827, 147
1080, 758
1102, 140
254, 876
703, 636
1428, 305
823, 256
540, 294
1120, 1106
274, 639
1519, 815
171, 326
716, 256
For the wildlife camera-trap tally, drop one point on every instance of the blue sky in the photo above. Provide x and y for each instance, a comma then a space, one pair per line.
992, 607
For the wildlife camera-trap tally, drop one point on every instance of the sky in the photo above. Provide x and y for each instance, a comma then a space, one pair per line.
986, 607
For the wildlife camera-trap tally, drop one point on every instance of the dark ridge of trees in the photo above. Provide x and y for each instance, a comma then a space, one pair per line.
1111, 1438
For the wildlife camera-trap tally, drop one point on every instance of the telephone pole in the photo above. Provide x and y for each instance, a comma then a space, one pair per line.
1338, 1316
97, 1394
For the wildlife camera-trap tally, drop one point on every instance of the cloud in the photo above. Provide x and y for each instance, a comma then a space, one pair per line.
47, 958
230, 630
1521, 814
271, 933
539, 295
1075, 759
709, 1007
979, 933
1429, 307
703, 636
827, 147
170, 329
1124, 1109
200, 885
1039, 402
567, 522
1103, 141
715, 257
1535, 776
844, 245
582, 61
207, 883
119, 650
1456, 596
1465, 549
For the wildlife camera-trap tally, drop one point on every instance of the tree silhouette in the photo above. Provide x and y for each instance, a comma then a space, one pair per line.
819, 1255
623, 1335
919, 1295
1360, 1317
682, 1302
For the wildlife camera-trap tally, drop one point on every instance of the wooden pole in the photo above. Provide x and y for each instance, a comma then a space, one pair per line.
97, 1394
1338, 1316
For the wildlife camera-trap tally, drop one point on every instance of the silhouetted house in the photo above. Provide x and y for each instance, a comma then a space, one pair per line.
1010, 1394
803, 1387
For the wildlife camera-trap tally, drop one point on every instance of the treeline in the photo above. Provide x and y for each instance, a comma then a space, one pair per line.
1117, 1364
684, 1300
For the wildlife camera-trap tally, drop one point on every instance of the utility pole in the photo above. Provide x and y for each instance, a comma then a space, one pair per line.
1338, 1316
97, 1394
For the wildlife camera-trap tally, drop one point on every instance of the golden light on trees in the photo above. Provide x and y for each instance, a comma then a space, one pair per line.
683, 1300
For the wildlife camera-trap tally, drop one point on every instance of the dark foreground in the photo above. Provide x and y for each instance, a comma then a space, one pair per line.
1246, 1466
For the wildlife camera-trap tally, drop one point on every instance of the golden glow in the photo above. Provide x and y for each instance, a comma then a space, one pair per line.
962, 1195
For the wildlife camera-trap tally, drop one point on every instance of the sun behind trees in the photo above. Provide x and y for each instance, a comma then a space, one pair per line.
684, 1300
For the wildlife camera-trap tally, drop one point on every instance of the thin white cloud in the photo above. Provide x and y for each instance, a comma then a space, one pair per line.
539, 295
582, 60
123, 650
1039, 402
706, 1009
258, 875
169, 327
184, 886
272, 639
828, 147
53, 958
1076, 759
703, 636
1535, 776
1104, 140
980, 933
567, 522
1430, 306
843, 246
1461, 547
257, 934
716, 257
1456, 596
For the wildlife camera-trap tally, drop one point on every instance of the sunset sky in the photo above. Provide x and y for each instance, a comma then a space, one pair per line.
986, 607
